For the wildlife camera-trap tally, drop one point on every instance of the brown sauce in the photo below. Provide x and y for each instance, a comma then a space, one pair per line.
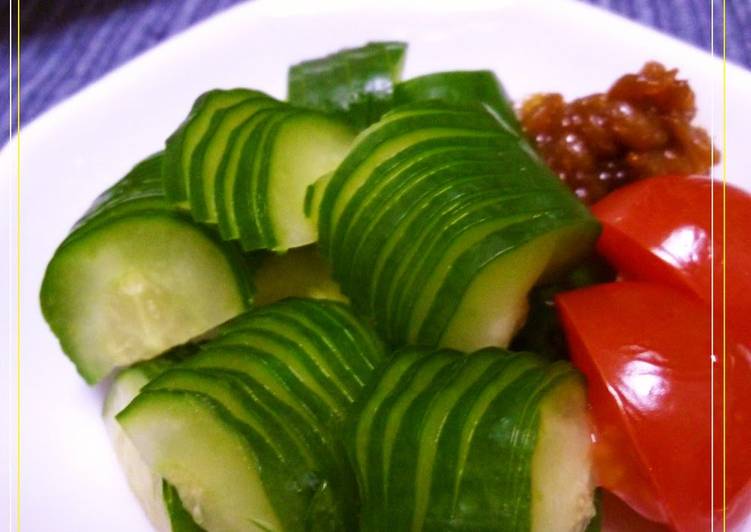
640, 128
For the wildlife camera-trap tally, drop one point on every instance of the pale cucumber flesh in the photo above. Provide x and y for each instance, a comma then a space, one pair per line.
192, 443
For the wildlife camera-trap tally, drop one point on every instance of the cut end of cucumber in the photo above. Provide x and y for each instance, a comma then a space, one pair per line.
145, 485
495, 305
562, 483
300, 272
310, 147
136, 287
185, 438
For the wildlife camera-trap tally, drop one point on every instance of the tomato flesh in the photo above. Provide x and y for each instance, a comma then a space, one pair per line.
660, 230
647, 353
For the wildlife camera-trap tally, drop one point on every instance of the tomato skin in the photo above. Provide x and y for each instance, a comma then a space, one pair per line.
660, 230
619, 517
646, 352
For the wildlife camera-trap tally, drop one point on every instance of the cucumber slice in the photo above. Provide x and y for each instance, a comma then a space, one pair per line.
397, 131
180, 519
153, 280
460, 87
371, 205
243, 161
307, 146
207, 455
439, 222
275, 377
230, 170
356, 83
179, 148
562, 488
488, 441
145, 485
251, 211
269, 391
209, 153
158, 499
300, 272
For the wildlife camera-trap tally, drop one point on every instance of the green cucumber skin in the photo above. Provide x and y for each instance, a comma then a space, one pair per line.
406, 119
215, 143
175, 165
460, 87
473, 261
252, 360
297, 446
367, 205
239, 373
356, 84
135, 199
251, 212
434, 368
490, 489
390, 220
238, 179
418, 185
280, 482
180, 519
237, 165
396, 279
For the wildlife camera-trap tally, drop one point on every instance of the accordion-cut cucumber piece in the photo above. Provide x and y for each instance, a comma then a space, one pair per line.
270, 392
209, 153
180, 146
439, 222
356, 83
397, 131
493, 440
237, 165
158, 499
135, 278
460, 87
202, 450
145, 485
307, 146
248, 160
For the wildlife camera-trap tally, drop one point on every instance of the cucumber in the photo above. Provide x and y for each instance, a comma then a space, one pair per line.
258, 412
209, 153
542, 332
158, 499
460, 87
238, 164
397, 131
494, 440
180, 519
356, 83
307, 147
179, 147
152, 278
300, 272
246, 161
207, 455
440, 221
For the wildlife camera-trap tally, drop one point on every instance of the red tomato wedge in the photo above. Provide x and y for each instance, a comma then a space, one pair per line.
619, 517
660, 230
646, 352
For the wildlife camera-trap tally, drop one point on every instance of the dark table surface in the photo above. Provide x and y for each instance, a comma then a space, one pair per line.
67, 44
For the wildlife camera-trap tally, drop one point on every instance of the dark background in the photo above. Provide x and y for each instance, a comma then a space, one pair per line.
66, 44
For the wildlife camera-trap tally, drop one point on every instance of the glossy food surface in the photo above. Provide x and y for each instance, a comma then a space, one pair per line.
646, 352
661, 230
641, 127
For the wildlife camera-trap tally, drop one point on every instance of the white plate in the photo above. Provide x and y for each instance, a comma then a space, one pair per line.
70, 480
